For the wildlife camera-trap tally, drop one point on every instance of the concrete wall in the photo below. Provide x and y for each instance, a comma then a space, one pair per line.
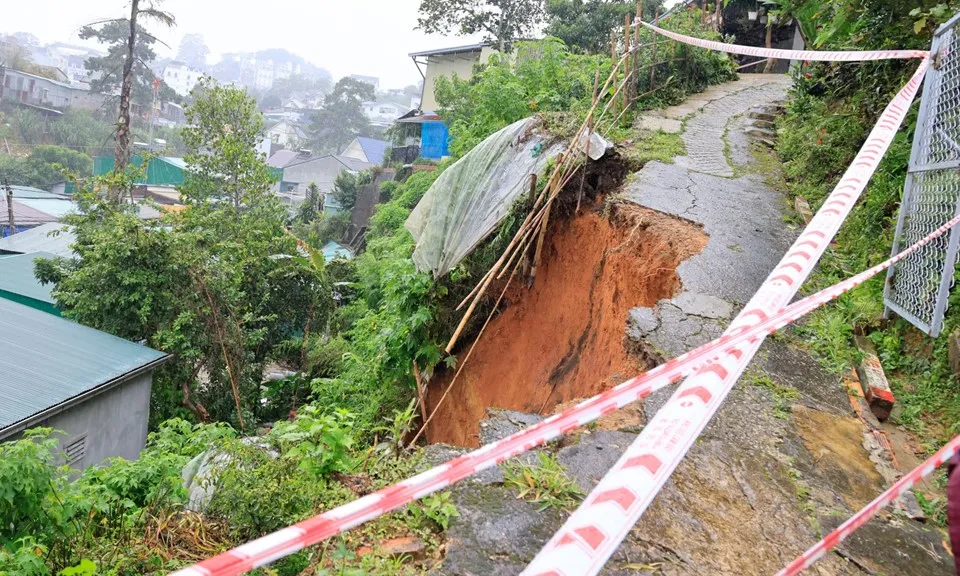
114, 422
447, 65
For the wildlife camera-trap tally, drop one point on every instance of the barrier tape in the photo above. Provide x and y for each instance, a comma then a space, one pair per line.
817, 551
292, 539
818, 55
595, 530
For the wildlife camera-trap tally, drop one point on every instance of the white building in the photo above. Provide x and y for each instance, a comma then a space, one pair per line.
180, 77
383, 113
286, 134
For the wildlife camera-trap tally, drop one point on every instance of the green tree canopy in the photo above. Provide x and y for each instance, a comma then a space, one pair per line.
224, 128
584, 25
107, 71
500, 21
341, 119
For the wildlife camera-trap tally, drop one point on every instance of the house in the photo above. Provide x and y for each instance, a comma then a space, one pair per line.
382, 112
286, 134
53, 238
51, 95
331, 251
321, 171
425, 135
18, 283
458, 60
371, 80
92, 386
282, 158
31, 208
367, 150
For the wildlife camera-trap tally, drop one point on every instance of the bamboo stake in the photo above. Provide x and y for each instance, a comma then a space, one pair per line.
653, 56
527, 260
593, 102
613, 47
421, 392
629, 52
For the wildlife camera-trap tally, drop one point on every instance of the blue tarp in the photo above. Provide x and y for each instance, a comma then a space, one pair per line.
434, 140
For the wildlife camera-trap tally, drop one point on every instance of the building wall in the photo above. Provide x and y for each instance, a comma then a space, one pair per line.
447, 65
355, 150
181, 79
322, 172
113, 423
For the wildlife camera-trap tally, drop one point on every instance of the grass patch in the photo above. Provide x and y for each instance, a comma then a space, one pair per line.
546, 484
784, 395
650, 146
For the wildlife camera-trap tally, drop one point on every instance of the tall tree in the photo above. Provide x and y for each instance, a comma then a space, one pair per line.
223, 130
584, 25
341, 119
501, 21
193, 51
129, 44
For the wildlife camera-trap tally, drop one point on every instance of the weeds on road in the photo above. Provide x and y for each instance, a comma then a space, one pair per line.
546, 484
784, 395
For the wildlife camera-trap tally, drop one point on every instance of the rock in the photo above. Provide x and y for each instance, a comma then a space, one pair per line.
199, 475
876, 388
761, 133
437, 454
502, 423
406, 545
801, 205
907, 503
763, 116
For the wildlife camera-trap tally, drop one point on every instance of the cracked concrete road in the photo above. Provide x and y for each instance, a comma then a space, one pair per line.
783, 458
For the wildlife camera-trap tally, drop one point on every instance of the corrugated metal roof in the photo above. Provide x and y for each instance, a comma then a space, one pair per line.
46, 361
17, 277
24, 215
56, 207
31, 192
40, 239
452, 50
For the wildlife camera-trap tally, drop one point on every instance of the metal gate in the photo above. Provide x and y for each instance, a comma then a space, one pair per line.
917, 287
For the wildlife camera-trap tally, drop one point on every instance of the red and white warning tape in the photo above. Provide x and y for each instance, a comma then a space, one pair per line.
290, 540
817, 551
588, 538
743, 335
824, 56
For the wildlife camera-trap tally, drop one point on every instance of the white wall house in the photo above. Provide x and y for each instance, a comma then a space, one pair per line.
458, 60
383, 113
181, 78
286, 134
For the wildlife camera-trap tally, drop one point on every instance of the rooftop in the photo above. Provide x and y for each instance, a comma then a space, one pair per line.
18, 280
373, 148
452, 50
54, 238
49, 363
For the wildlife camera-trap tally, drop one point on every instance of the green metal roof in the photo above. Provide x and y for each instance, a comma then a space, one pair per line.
18, 282
48, 364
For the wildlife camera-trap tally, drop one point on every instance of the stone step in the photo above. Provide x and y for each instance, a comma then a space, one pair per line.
762, 115
761, 133
764, 124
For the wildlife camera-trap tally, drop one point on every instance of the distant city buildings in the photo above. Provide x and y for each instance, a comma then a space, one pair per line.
371, 80
180, 77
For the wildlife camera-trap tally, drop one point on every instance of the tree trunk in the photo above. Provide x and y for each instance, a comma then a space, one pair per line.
768, 42
121, 155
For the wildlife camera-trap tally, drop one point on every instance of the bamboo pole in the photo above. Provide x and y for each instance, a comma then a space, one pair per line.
653, 56
613, 48
528, 257
629, 53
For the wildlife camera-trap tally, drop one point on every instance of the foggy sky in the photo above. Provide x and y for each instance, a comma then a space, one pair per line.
369, 37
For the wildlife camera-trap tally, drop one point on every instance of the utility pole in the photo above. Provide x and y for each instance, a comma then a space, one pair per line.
10, 222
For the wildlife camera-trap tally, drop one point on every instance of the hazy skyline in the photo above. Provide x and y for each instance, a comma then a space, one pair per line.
369, 37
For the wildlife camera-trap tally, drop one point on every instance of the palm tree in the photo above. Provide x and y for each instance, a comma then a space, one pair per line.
151, 12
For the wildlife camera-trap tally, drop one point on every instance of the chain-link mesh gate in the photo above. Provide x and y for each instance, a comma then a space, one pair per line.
918, 286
